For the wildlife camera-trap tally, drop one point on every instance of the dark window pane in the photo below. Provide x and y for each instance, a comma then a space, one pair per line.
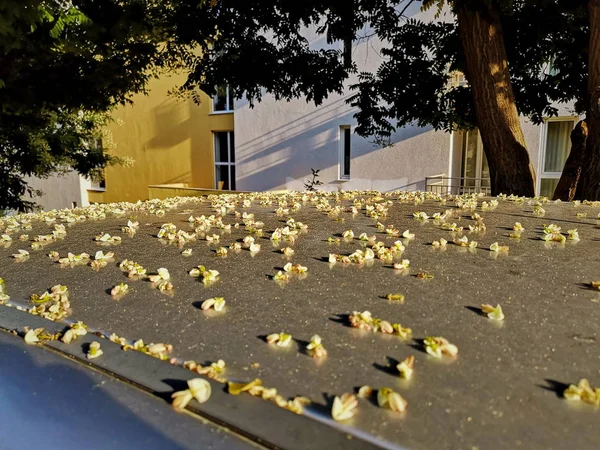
347, 155
231, 147
347, 52
230, 101
220, 99
221, 153
232, 178
222, 175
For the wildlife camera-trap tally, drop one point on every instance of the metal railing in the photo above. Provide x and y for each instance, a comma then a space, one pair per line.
441, 184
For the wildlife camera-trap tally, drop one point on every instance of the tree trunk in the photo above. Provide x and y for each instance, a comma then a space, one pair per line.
567, 186
590, 189
486, 68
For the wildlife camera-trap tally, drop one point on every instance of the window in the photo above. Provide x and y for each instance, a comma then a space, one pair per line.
555, 151
98, 184
475, 167
224, 160
345, 151
457, 79
550, 68
347, 52
223, 100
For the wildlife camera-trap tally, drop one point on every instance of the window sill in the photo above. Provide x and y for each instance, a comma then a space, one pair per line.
93, 189
343, 179
219, 113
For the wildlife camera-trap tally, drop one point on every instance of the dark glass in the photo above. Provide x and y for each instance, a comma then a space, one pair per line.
231, 147
222, 173
232, 178
230, 100
347, 155
220, 99
221, 152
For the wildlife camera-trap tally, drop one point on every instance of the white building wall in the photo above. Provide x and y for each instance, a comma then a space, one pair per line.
278, 142
59, 191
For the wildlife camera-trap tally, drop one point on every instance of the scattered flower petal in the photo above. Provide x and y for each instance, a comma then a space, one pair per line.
493, 313
344, 407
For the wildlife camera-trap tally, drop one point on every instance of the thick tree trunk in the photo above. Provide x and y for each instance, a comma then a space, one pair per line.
567, 186
486, 68
590, 189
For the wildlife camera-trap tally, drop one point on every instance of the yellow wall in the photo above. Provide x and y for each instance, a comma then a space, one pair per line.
170, 140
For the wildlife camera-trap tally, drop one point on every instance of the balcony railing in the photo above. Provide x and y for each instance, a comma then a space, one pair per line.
441, 184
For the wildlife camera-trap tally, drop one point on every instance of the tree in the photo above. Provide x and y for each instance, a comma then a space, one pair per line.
487, 69
567, 33
410, 86
590, 180
62, 68
566, 189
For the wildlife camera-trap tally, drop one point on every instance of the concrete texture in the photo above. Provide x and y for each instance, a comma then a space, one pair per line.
502, 391
59, 191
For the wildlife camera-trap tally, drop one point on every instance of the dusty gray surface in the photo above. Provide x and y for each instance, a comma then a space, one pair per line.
243, 419
502, 391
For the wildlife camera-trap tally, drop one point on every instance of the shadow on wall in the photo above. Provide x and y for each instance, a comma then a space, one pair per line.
295, 149
175, 121
256, 147
269, 160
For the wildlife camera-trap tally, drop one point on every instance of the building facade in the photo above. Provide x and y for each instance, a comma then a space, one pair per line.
179, 144
278, 143
171, 141
175, 143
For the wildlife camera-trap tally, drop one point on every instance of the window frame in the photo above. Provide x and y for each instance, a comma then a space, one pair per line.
229, 108
457, 79
342, 152
541, 173
96, 186
480, 180
229, 163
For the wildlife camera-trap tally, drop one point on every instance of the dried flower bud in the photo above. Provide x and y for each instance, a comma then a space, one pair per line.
344, 407
217, 303
238, 388
365, 391
198, 388
396, 298
493, 313
94, 350
316, 347
387, 398
405, 368
438, 346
